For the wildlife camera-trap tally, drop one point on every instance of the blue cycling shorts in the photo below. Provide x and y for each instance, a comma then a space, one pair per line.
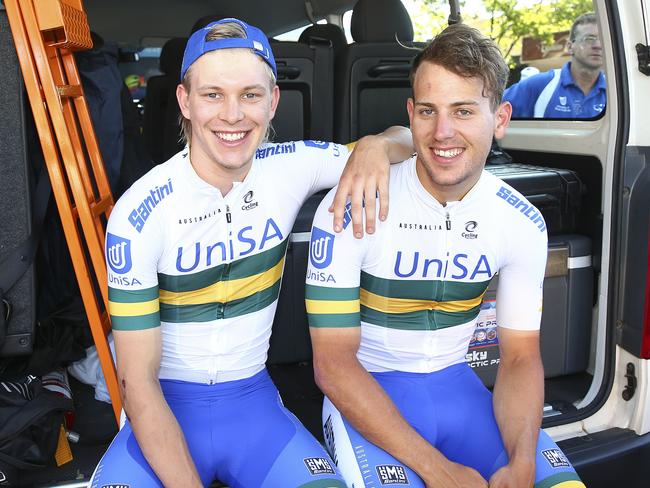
237, 432
452, 410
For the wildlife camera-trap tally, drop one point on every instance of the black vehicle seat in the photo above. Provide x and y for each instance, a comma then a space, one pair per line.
328, 32
372, 74
161, 127
306, 81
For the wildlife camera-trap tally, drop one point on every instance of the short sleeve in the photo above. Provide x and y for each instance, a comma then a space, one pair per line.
302, 168
333, 271
133, 248
521, 278
330, 165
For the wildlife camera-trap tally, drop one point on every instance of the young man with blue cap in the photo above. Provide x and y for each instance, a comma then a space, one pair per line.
195, 253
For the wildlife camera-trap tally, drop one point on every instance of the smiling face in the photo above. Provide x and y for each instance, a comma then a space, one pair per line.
452, 122
230, 103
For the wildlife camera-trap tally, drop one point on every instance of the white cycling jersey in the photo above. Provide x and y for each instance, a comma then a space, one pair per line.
207, 268
415, 286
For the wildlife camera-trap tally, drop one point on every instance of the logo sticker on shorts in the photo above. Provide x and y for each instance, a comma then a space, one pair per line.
556, 458
320, 248
318, 465
118, 253
390, 474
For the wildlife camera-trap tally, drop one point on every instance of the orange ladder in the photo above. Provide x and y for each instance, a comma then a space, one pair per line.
46, 32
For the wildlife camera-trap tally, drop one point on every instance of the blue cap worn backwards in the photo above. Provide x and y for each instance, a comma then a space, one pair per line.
255, 40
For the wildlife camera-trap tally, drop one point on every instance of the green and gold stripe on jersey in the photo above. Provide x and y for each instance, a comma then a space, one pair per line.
396, 304
133, 309
332, 307
226, 291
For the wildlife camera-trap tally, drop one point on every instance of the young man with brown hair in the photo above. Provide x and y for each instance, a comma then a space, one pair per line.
392, 323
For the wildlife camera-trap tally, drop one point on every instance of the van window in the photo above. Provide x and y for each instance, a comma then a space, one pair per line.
136, 69
537, 41
294, 35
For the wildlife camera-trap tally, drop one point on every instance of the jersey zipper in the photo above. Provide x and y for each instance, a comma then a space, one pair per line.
432, 316
448, 235
220, 312
226, 267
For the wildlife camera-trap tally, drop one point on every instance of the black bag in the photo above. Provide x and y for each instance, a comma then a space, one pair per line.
61, 339
30, 422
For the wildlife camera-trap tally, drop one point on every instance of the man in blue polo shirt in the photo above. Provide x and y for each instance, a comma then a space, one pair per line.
577, 91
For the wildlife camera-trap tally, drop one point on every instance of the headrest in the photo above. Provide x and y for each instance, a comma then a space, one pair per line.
223, 12
331, 32
255, 40
381, 21
171, 56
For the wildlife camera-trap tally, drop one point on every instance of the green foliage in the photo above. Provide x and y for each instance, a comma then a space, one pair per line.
429, 18
506, 21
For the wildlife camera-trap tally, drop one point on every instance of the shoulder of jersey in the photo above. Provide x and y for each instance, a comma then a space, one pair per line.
401, 167
272, 150
509, 201
396, 170
161, 176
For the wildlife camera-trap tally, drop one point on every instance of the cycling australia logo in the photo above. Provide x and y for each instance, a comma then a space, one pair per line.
118, 253
249, 202
390, 474
470, 227
321, 247
556, 458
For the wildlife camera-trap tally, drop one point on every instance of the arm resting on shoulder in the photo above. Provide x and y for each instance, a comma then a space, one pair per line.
365, 404
159, 436
366, 173
518, 403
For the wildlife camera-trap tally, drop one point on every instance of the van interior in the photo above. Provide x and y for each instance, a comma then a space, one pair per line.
343, 72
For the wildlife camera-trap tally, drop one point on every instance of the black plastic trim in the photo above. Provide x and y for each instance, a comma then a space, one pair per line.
612, 457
